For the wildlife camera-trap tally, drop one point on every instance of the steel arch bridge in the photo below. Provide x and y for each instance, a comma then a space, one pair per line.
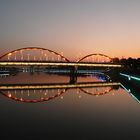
36, 56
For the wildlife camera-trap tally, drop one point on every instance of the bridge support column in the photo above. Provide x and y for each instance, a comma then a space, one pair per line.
73, 74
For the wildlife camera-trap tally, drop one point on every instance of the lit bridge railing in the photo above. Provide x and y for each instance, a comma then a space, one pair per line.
58, 64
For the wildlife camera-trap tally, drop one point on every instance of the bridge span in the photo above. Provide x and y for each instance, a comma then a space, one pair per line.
43, 63
36, 56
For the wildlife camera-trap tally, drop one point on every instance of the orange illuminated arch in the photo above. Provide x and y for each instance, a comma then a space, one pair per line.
95, 55
34, 48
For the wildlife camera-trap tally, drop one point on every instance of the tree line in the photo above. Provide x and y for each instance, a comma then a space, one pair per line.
130, 63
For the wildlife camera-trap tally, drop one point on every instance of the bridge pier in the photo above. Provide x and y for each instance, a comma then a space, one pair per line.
73, 75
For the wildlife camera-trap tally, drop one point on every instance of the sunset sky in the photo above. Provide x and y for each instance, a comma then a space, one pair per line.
76, 27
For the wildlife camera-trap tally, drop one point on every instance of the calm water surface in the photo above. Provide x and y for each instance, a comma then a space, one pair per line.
87, 113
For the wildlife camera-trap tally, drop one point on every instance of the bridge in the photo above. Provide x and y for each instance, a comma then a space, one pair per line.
35, 56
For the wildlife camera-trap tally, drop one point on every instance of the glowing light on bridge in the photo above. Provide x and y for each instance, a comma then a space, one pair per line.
96, 58
42, 54
32, 54
58, 64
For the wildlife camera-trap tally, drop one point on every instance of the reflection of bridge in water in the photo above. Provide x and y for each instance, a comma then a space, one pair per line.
57, 86
40, 93
33, 93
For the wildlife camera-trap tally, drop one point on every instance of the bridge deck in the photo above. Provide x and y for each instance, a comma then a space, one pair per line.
2, 63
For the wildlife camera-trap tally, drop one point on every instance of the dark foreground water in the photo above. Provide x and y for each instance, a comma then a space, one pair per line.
95, 113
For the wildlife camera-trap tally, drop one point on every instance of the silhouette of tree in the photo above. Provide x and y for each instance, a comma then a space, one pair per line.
116, 60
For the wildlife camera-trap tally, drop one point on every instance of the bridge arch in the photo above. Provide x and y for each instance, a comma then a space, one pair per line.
96, 54
33, 48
